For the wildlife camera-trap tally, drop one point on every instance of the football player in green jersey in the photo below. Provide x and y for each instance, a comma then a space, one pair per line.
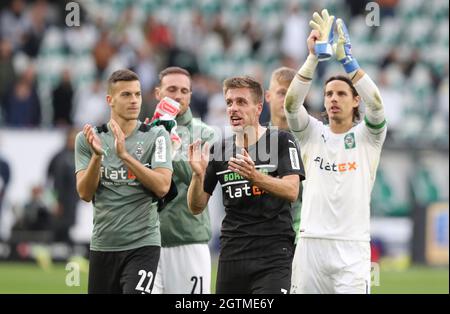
185, 263
123, 167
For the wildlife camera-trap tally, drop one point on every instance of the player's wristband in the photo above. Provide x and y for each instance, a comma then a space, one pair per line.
308, 68
323, 50
350, 65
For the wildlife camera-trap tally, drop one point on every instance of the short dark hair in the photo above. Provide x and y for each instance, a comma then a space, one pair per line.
356, 113
173, 70
245, 82
283, 75
121, 75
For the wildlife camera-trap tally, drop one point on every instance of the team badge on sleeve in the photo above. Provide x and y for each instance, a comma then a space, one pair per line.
160, 151
295, 163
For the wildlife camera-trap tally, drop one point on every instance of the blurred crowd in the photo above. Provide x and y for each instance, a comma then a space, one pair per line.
52, 75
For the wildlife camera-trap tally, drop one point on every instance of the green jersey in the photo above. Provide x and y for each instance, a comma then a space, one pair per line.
125, 212
178, 225
297, 205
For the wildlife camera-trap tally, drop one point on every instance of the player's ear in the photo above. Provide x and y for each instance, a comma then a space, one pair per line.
260, 108
357, 101
267, 96
158, 93
109, 100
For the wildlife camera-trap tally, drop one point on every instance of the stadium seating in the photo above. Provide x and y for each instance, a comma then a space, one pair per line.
410, 29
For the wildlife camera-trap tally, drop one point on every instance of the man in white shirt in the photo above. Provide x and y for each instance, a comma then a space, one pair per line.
340, 159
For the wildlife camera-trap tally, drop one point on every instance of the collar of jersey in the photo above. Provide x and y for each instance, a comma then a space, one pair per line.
331, 134
138, 124
266, 134
270, 125
185, 118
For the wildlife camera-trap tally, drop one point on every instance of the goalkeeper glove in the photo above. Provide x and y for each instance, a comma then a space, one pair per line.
343, 49
166, 108
324, 24
167, 124
165, 114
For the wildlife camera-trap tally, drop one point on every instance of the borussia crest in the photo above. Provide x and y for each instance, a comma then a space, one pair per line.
139, 150
349, 141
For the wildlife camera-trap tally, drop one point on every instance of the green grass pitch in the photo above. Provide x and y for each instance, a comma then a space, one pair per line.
23, 278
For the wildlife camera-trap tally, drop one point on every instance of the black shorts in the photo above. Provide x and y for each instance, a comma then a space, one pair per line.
123, 272
263, 275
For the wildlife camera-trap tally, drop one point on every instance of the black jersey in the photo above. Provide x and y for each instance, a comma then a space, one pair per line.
256, 224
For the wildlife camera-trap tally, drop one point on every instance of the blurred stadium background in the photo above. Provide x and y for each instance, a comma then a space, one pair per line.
51, 81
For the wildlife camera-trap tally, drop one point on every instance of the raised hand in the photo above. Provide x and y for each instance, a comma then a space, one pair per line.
93, 140
343, 48
166, 109
323, 24
198, 157
243, 165
119, 139
311, 41
165, 114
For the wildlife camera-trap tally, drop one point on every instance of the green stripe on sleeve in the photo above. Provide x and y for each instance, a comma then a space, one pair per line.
375, 126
